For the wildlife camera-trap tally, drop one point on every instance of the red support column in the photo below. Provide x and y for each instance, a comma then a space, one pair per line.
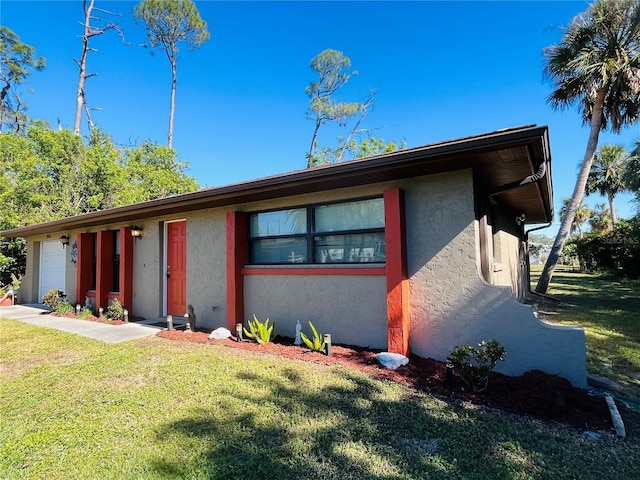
126, 269
83, 267
398, 318
237, 256
104, 267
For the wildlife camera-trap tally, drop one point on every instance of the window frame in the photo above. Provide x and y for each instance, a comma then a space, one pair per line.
310, 235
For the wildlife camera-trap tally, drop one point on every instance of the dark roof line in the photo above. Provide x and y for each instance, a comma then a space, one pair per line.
295, 182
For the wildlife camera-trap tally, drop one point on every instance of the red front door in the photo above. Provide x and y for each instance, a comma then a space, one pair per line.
176, 268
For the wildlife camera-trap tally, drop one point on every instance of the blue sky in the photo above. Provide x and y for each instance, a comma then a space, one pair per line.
443, 70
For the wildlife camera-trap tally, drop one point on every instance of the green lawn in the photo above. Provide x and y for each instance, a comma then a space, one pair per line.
609, 310
74, 408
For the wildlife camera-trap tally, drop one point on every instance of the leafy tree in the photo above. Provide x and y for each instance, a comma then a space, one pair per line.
606, 173
595, 65
153, 172
17, 61
355, 149
332, 67
168, 23
582, 215
88, 33
50, 174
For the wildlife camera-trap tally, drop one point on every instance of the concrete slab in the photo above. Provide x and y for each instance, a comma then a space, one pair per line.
36, 315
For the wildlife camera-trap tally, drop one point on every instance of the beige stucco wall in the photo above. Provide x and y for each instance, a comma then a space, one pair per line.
147, 268
207, 267
451, 305
351, 308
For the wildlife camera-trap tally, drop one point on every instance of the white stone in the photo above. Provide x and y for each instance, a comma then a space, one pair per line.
220, 334
392, 360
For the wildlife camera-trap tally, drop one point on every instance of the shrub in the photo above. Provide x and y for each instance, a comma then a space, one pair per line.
315, 344
616, 251
52, 298
473, 365
85, 313
64, 308
115, 311
261, 332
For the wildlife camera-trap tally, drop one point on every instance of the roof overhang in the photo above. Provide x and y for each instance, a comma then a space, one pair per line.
502, 157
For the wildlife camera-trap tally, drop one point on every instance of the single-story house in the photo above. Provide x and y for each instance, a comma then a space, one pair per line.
417, 250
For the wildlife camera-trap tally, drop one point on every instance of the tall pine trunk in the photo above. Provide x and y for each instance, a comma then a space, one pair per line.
82, 64
578, 194
174, 83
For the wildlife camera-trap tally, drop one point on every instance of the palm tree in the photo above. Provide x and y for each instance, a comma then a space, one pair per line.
605, 176
600, 219
631, 174
597, 66
582, 215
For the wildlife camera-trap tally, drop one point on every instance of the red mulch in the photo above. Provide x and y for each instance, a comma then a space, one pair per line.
535, 393
90, 319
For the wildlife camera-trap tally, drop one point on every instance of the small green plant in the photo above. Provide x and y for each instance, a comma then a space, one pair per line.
473, 365
52, 298
85, 313
261, 332
2, 292
316, 343
115, 311
64, 308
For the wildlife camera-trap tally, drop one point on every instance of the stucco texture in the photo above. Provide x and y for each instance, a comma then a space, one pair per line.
350, 308
451, 305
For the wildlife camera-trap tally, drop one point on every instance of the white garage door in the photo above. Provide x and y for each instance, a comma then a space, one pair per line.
52, 265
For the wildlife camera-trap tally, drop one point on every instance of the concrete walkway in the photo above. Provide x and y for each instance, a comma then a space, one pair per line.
35, 315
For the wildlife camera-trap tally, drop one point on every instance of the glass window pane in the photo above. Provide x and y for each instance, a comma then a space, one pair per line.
354, 248
279, 250
360, 215
282, 222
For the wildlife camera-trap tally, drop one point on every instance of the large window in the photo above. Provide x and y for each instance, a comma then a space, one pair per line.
351, 232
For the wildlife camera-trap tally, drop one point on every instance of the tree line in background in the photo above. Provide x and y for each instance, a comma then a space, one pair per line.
51, 174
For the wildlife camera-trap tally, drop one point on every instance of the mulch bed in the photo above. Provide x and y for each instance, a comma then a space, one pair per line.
535, 393
89, 319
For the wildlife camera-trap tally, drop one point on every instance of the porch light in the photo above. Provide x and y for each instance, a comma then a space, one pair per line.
136, 232
64, 240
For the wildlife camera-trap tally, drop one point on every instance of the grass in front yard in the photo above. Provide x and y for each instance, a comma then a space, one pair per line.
73, 408
608, 308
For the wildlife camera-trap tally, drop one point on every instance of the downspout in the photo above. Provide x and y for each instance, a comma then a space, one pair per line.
534, 178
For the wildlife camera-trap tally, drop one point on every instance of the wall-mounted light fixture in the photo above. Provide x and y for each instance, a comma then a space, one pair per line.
64, 240
521, 218
136, 232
